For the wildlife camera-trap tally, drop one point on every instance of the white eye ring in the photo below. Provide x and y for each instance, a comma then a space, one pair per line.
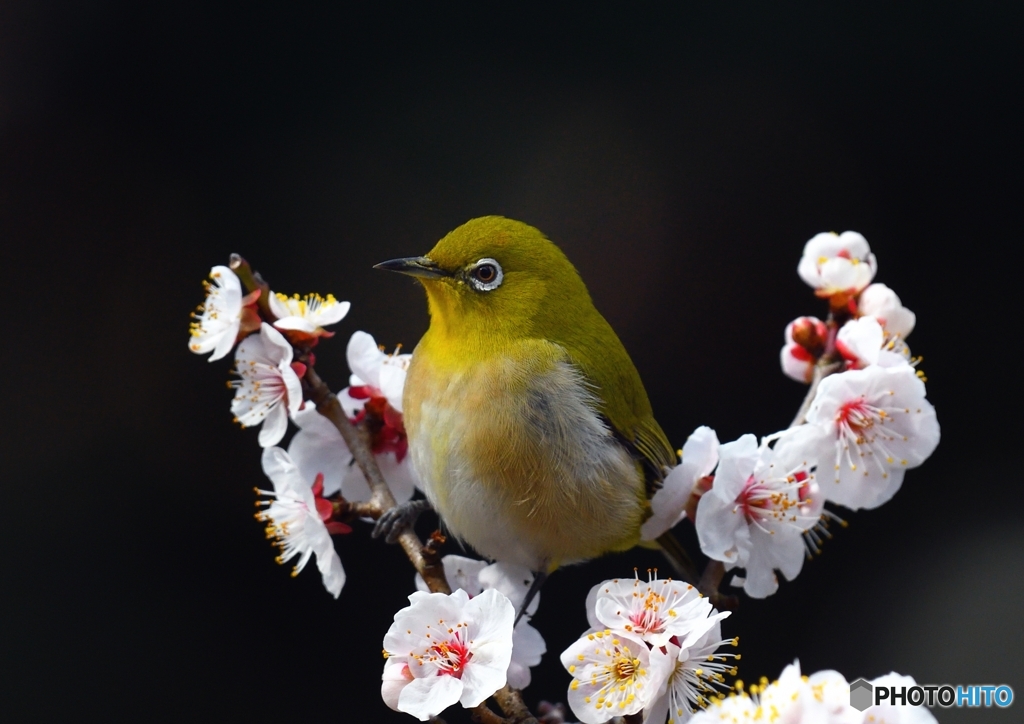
486, 275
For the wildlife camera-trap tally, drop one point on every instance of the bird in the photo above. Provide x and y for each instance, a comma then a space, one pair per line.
527, 421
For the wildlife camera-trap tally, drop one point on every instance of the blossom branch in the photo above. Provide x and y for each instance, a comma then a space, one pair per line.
830, 362
424, 558
382, 500
252, 281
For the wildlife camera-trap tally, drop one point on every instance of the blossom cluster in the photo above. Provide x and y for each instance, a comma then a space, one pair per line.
652, 646
821, 698
273, 347
760, 506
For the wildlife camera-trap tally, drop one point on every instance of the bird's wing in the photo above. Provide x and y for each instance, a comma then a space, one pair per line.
623, 403
650, 447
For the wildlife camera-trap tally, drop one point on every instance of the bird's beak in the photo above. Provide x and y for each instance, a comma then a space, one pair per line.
415, 266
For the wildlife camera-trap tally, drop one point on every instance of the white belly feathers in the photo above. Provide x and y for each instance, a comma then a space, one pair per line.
516, 459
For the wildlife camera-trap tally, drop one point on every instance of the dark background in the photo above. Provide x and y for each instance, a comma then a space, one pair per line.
680, 157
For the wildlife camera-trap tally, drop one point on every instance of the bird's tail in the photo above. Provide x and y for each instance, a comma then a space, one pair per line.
677, 556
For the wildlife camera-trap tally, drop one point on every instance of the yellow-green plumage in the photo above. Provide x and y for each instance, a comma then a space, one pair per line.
527, 420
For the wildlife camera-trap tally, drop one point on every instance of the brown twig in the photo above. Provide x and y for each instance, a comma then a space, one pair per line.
253, 281
426, 562
483, 715
511, 702
711, 579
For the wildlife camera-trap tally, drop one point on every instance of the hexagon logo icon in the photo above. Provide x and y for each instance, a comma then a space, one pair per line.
861, 693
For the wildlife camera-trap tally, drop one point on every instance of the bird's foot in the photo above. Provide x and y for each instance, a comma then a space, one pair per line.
539, 577
399, 519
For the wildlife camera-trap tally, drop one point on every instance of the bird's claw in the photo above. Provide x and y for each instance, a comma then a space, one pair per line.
399, 519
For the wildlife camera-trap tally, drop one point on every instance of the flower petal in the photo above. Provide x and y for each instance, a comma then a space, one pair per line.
719, 524
277, 348
275, 424
491, 616
319, 448
668, 505
299, 324
365, 358
427, 697
395, 678
392, 381
512, 581
736, 464
331, 570
226, 341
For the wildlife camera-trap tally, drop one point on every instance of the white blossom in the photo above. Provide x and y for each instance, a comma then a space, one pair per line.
754, 516
822, 698
888, 713
697, 674
614, 674
668, 506
805, 339
513, 582
655, 611
307, 315
444, 649
865, 429
295, 521
269, 389
318, 447
383, 374
881, 302
862, 342
220, 323
837, 264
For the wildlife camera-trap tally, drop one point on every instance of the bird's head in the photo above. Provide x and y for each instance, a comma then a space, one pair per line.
495, 278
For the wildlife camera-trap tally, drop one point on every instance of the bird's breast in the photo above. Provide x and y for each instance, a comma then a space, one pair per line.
516, 459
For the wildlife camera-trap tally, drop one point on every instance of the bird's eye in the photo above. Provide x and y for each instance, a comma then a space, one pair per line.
486, 275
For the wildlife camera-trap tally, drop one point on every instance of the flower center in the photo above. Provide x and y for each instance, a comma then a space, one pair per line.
755, 499
387, 429
625, 668
772, 500
308, 305
647, 618
857, 415
451, 655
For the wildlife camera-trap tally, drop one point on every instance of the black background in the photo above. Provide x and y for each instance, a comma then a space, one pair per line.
680, 157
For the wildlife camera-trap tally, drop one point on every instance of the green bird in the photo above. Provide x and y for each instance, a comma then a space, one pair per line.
528, 423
